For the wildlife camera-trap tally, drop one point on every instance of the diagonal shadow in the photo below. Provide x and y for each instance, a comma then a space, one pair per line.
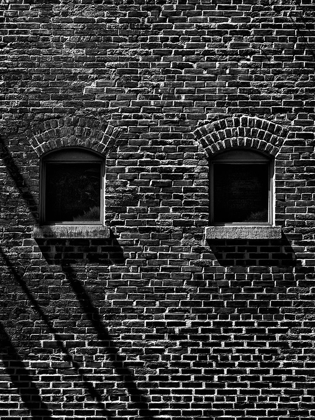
68, 357
21, 379
18, 179
137, 396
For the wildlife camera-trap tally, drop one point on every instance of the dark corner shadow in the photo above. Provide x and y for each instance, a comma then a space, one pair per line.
253, 252
67, 355
21, 379
137, 396
103, 251
18, 179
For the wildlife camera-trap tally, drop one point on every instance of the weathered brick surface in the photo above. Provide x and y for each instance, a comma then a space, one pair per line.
156, 322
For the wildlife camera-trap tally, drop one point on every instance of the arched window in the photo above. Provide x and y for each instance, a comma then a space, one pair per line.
241, 185
72, 187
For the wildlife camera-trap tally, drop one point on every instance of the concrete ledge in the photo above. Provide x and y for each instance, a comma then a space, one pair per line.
243, 232
71, 231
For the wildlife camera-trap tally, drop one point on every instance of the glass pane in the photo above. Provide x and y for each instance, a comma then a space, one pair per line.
73, 192
240, 193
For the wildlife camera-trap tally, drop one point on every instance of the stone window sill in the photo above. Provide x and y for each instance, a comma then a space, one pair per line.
71, 231
243, 232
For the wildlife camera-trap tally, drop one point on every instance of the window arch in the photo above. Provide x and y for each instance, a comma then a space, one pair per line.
72, 187
241, 185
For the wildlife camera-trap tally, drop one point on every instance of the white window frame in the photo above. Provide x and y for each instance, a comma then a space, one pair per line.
239, 157
72, 156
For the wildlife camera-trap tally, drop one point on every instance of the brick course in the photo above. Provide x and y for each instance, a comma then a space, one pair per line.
155, 321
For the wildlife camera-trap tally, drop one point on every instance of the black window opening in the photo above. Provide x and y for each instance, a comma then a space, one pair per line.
241, 188
72, 188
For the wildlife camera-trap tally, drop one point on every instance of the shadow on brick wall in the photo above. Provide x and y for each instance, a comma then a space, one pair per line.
18, 179
21, 378
65, 252
11, 358
253, 252
80, 250
137, 397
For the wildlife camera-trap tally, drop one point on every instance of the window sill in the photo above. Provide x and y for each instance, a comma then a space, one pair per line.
243, 232
71, 231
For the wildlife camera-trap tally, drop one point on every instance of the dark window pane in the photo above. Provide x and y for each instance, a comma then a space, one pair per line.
73, 192
240, 193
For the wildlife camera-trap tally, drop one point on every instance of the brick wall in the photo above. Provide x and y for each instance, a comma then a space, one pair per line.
155, 321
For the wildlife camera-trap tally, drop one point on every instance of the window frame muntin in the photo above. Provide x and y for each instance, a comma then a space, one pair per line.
260, 158
79, 155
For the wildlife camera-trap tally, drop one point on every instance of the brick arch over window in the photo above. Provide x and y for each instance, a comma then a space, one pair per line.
70, 132
249, 132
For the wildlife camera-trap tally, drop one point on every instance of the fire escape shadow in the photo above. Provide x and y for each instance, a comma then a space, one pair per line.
138, 399
67, 355
21, 379
30, 393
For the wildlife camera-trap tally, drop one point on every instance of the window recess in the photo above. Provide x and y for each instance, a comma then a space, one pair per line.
72, 194
241, 196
